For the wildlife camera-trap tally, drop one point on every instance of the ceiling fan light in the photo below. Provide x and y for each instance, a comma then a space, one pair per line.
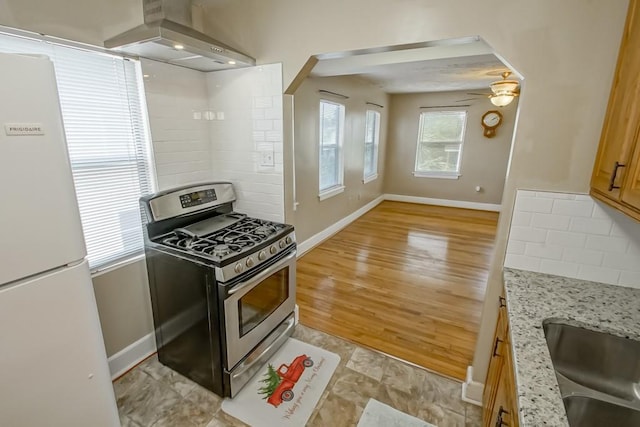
502, 100
502, 86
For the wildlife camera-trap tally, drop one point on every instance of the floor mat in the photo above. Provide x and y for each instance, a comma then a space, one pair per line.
377, 414
287, 389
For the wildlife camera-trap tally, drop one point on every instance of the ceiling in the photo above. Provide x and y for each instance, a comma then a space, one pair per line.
462, 64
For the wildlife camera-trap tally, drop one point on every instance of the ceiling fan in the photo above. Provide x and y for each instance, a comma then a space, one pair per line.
503, 91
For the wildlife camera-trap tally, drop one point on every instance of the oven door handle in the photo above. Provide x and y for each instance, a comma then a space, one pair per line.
278, 341
262, 275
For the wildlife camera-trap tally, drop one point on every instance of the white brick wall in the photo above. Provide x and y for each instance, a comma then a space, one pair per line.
176, 99
225, 126
250, 134
573, 235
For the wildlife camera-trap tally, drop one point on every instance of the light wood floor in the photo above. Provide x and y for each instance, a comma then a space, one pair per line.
404, 279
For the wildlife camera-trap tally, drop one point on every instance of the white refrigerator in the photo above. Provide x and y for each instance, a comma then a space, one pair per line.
53, 365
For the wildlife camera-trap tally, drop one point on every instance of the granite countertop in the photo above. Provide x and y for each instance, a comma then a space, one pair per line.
534, 297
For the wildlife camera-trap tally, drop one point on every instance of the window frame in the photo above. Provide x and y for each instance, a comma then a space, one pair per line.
338, 187
375, 145
437, 174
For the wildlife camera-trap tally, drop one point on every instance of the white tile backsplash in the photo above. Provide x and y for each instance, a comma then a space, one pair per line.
573, 235
219, 126
550, 222
247, 145
533, 204
180, 137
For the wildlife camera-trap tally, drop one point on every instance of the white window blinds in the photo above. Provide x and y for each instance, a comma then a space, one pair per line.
371, 139
106, 131
331, 137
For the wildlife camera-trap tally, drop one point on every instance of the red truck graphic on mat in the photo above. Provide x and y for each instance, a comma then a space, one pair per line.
278, 384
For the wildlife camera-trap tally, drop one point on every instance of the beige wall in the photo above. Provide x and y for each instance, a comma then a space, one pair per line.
312, 215
86, 21
124, 305
484, 160
565, 50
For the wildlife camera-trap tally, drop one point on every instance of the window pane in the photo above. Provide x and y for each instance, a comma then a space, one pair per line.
440, 142
442, 126
331, 129
372, 131
328, 167
371, 124
330, 123
438, 157
102, 112
369, 161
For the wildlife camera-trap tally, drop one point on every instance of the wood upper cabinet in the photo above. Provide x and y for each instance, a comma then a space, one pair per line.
616, 174
499, 400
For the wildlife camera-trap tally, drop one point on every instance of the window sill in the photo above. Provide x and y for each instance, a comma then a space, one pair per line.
436, 175
334, 191
115, 265
368, 179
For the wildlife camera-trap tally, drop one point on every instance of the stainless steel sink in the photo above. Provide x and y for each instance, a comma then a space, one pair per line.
598, 375
586, 412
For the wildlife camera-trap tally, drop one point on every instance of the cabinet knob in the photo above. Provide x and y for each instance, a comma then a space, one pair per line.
495, 347
499, 422
612, 180
502, 301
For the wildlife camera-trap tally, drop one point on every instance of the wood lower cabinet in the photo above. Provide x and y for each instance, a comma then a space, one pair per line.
616, 172
499, 401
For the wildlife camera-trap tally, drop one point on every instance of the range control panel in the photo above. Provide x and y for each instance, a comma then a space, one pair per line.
198, 198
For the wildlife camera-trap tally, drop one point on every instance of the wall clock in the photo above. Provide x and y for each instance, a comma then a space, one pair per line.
490, 122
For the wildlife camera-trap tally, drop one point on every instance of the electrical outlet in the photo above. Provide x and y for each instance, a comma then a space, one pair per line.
266, 158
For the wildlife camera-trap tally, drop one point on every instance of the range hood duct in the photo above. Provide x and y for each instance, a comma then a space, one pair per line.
167, 35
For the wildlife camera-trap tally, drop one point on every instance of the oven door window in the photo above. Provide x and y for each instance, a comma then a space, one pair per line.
257, 304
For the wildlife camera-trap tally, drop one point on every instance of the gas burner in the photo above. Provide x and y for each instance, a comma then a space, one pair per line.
177, 241
239, 237
264, 230
231, 237
221, 250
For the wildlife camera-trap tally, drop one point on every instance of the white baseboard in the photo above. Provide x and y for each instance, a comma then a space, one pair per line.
444, 202
471, 390
131, 355
316, 239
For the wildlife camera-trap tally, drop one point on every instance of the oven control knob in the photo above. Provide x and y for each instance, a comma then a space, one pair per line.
282, 244
273, 249
262, 255
238, 268
250, 262
289, 240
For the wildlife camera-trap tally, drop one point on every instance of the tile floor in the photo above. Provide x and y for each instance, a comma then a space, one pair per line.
152, 395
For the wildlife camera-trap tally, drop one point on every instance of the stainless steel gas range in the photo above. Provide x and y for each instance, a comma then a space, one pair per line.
222, 285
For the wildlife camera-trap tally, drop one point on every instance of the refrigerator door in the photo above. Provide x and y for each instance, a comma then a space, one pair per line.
40, 221
52, 360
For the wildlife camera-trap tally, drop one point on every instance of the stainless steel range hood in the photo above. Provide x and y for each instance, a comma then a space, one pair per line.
166, 40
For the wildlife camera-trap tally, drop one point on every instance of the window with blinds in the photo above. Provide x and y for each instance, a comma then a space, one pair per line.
371, 139
440, 141
331, 137
104, 118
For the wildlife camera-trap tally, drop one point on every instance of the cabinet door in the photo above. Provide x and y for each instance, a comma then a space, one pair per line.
621, 122
631, 187
504, 409
509, 381
502, 414
492, 382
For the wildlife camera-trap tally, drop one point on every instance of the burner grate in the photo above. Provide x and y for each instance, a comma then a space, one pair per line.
238, 237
